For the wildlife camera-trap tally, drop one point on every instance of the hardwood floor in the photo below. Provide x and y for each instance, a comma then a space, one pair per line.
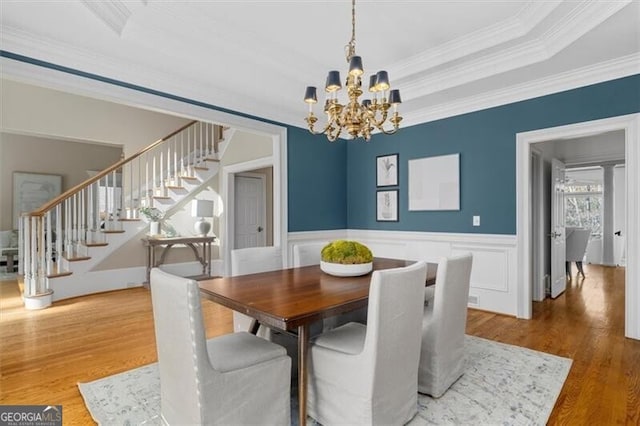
43, 354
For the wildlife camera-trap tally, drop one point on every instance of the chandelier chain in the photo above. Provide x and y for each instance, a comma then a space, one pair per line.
351, 47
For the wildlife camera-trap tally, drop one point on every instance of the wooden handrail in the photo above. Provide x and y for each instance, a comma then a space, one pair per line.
70, 192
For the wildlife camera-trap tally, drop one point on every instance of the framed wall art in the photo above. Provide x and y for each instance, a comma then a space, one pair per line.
387, 205
32, 190
387, 170
434, 183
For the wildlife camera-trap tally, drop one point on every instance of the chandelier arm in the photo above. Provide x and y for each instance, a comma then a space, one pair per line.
323, 131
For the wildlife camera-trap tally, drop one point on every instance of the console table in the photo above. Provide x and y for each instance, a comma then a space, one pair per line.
201, 247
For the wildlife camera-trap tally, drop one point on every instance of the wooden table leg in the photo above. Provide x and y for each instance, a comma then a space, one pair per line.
254, 327
303, 346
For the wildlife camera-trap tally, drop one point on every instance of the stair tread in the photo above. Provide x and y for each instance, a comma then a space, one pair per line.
94, 244
129, 220
212, 159
161, 197
112, 231
189, 177
200, 168
77, 258
175, 187
59, 274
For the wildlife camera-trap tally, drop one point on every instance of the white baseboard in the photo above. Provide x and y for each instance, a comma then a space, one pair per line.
92, 282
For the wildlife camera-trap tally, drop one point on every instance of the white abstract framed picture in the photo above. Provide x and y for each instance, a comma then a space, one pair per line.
434, 183
387, 205
32, 190
387, 170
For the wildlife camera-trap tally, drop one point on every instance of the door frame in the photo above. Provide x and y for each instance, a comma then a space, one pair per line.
631, 125
263, 184
228, 190
537, 231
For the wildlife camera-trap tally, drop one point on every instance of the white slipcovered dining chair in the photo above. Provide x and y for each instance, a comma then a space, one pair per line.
442, 355
367, 374
252, 261
236, 378
307, 254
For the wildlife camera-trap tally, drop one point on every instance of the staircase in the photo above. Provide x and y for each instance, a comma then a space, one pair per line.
62, 243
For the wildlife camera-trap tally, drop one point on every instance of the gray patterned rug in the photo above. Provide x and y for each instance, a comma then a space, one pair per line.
502, 385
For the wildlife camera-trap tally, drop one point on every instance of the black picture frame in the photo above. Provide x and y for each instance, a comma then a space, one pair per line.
387, 205
387, 170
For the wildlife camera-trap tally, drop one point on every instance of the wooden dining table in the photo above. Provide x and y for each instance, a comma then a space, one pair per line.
293, 299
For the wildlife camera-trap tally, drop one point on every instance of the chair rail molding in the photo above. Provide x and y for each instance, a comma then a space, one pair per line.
631, 125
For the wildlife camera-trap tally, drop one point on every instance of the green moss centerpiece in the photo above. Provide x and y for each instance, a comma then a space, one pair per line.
346, 259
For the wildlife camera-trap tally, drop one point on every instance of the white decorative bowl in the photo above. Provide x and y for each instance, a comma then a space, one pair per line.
341, 270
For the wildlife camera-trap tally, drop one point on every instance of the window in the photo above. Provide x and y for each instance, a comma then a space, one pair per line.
583, 199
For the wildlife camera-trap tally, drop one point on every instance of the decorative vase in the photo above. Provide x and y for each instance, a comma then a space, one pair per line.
346, 270
154, 228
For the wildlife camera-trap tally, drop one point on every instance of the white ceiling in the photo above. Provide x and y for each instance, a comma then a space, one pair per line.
607, 147
446, 57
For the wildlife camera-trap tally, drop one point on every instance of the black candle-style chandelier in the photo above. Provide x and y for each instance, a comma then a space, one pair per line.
359, 119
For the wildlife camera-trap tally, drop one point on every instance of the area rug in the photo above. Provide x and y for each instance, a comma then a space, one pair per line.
502, 385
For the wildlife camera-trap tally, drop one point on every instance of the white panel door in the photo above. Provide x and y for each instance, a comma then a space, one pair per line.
558, 239
250, 211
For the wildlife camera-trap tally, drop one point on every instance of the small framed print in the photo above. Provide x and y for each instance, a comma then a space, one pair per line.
387, 170
387, 205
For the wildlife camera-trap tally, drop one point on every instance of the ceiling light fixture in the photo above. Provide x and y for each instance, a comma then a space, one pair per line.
359, 119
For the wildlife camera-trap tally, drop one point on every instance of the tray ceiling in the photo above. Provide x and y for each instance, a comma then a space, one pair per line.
257, 56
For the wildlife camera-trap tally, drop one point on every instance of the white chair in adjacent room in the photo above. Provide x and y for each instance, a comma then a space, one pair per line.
366, 374
236, 378
442, 355
252, 261
577, 240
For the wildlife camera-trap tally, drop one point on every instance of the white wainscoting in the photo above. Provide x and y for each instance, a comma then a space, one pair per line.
493, 275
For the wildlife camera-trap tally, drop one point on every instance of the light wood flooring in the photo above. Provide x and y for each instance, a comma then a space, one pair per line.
43, 354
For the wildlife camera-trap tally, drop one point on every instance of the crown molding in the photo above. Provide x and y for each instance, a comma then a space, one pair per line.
530, 16
572, 79
583, 17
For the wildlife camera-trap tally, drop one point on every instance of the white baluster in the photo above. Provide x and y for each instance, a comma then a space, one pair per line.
58, 235
49, 242
182, 153
28, 272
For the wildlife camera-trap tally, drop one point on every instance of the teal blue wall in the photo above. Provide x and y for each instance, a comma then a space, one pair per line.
486, 141
317, 176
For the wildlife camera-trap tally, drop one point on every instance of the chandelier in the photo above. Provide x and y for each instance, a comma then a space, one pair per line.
357, 118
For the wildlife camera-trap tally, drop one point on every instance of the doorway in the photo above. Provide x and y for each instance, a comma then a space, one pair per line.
253, 208
630, 125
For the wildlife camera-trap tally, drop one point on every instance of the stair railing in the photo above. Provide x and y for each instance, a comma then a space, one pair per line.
62, 230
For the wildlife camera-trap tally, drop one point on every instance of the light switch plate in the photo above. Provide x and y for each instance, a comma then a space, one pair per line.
476, 221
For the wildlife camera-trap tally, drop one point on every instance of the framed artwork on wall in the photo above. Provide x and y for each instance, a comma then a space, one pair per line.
387, 170
434, 183
387, 205
32, 190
